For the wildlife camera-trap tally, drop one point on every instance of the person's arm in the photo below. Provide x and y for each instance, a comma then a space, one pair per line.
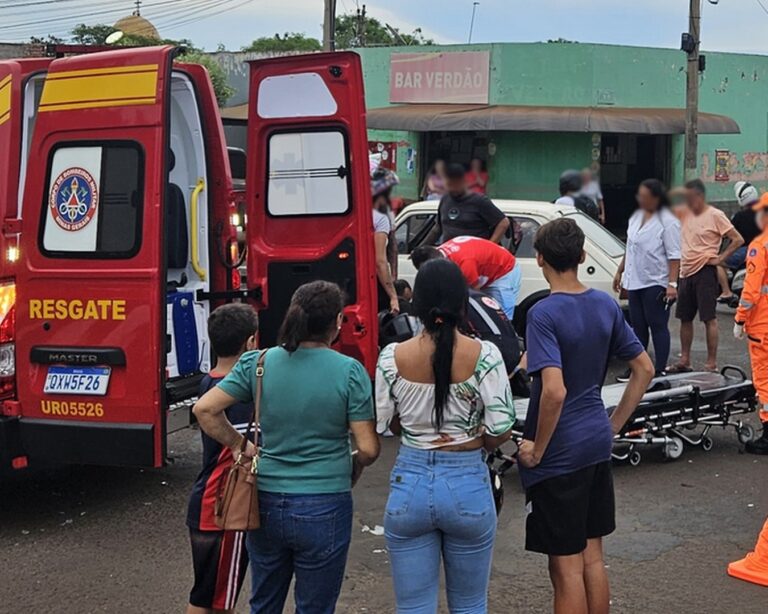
496, 394
735, 241
209, 411
468, 268
642, 371
434, 234
551, 402
500, 230
367, 447
674, 274
601, 207
386, 373
383, 272
670, 237
619, 274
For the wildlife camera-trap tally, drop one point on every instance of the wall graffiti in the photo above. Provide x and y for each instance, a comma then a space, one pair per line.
750, 166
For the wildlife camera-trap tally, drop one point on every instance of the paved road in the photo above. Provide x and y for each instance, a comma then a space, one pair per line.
76, 539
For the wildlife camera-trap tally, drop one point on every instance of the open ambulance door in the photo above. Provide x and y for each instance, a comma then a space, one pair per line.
308, 192
94, 272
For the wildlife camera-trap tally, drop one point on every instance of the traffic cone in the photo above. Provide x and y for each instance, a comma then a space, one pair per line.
754, 566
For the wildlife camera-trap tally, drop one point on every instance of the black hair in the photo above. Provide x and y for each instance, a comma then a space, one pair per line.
658, 190
401, 285
455, 171
423, 253
312, 314
440, 296
561, 244
229, 328
697, 185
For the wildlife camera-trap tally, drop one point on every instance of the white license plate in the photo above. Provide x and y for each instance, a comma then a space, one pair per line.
77, 380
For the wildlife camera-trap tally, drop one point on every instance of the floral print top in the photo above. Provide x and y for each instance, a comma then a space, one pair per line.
479, 405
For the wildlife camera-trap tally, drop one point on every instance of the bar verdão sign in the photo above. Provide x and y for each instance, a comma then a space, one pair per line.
459, 77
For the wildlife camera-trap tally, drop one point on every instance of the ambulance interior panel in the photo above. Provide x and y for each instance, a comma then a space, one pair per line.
187, 221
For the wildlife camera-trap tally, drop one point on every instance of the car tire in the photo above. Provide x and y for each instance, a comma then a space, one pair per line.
521, 311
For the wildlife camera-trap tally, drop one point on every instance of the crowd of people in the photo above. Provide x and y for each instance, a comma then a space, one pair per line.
446, 393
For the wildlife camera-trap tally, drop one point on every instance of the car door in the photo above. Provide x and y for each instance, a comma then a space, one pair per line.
308, 192
91, 298
410, 232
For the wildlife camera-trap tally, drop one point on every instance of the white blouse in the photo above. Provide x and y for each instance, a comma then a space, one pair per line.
650, 247
479, 405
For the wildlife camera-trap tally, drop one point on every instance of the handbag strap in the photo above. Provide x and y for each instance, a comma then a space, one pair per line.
256, 399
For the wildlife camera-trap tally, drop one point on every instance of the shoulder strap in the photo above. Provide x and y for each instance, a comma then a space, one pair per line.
259, 373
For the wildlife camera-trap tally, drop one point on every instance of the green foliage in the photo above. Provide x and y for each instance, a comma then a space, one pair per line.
290, 41
91, 35
351, 32
215, 72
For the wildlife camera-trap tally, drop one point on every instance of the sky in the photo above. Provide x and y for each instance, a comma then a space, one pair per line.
730, 25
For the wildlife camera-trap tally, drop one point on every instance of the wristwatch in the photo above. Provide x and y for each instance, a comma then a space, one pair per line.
673, 284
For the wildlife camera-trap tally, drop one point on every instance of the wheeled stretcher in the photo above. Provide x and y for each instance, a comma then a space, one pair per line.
677, 409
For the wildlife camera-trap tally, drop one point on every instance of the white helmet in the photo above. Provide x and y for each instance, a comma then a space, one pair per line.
746, 193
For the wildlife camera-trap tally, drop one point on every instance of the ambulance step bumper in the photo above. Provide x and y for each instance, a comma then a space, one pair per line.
88, 443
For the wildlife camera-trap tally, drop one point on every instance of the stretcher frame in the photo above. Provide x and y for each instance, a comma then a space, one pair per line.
671, 418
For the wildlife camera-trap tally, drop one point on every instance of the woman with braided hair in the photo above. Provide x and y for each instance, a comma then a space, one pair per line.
447, 396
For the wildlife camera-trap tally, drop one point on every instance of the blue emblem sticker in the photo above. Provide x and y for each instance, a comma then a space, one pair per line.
73, 199
752, 252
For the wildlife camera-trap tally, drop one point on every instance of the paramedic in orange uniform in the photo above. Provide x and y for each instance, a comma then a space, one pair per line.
752, 318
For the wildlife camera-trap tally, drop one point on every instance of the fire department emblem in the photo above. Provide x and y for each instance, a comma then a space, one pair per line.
74, 198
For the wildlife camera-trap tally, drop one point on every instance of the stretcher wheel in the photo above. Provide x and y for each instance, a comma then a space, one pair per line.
746, 433
674, 448
707, 444
635, 458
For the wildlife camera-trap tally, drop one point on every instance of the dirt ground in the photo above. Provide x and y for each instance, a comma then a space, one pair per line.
89, 539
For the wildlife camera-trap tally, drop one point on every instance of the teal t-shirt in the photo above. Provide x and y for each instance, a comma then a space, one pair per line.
309, 397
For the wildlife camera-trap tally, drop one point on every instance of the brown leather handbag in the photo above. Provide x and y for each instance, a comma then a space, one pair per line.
237, 502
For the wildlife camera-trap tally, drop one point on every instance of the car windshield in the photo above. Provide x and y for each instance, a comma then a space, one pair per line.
597, 234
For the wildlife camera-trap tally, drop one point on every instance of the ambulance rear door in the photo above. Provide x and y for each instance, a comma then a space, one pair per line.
308, 191
91, 304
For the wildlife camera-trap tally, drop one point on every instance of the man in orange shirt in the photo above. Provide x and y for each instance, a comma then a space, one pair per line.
702, 235
752, 318
486, 266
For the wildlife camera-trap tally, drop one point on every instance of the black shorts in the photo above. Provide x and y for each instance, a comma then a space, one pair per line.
220, 561
698, 292
567, 510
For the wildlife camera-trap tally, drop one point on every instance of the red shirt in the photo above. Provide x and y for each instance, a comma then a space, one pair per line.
481, 261
474, 182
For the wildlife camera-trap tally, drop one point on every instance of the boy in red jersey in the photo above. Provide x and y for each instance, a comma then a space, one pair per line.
219, 557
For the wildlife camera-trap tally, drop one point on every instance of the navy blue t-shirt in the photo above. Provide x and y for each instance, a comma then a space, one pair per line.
577, 333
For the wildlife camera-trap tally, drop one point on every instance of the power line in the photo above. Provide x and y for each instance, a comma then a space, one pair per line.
762, 6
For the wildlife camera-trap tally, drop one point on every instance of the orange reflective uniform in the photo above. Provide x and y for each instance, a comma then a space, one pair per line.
753, 314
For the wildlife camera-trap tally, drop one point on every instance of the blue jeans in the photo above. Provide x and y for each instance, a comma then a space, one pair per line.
505, 290
646, 311
737, 259
440, 506
306, 536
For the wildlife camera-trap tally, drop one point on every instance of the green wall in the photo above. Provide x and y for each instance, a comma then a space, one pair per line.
563, 74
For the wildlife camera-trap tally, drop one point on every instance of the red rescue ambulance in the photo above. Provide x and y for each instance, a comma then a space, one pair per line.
125, 239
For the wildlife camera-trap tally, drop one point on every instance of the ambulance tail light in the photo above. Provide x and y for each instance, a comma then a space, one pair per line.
7, 341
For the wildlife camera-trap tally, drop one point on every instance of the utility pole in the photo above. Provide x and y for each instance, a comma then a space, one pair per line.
329, 26
472, 21
692, 93
361, 27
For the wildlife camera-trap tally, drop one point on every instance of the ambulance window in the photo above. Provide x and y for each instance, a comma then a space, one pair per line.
93, 201
308, 173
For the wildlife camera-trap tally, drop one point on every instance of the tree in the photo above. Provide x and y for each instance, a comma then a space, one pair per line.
353, 30
91, 35
288, 42
218, 77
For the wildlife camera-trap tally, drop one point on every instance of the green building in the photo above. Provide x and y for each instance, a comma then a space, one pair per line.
532, 110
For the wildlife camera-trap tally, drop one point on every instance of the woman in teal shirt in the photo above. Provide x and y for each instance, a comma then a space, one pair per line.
312, 398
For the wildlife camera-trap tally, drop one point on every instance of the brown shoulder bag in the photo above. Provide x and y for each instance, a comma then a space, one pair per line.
237, 502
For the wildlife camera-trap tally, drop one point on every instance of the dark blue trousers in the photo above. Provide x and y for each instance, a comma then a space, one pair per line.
649, 313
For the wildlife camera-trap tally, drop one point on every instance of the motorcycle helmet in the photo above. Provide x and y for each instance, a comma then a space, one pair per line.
570, 181
394, 328
746, 193
382, 181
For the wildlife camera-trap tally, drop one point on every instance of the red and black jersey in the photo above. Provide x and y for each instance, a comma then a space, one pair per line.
216, 461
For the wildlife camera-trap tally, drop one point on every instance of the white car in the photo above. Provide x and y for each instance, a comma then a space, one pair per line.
604, 250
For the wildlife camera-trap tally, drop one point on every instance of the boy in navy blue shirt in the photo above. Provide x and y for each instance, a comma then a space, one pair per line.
219, 558
565, 457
